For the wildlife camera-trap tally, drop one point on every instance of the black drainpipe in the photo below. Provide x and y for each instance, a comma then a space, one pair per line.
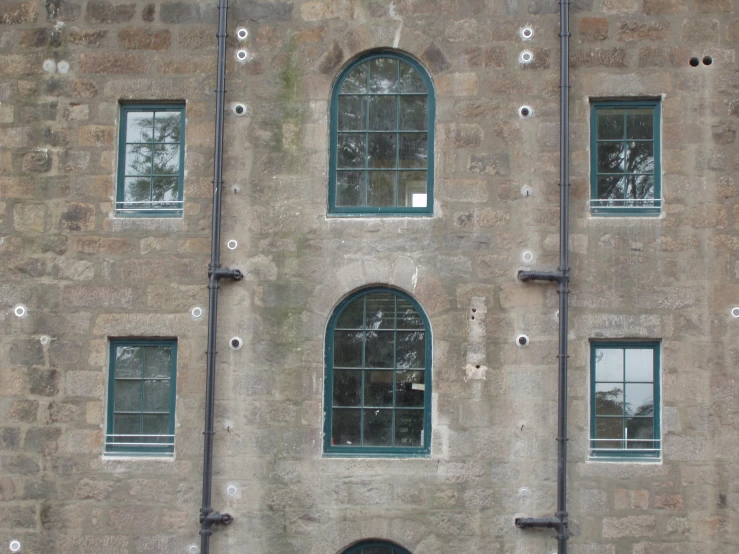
215, 273
561, 276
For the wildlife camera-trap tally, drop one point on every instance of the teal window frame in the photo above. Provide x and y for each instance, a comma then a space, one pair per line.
126, 209
376, 451
130, 445
360, 546
650, 207
624, 454
428, 210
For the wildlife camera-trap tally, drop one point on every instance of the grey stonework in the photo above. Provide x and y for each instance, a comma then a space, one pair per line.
86, 276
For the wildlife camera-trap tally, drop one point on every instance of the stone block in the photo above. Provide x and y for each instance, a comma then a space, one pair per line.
102, 245
144, 39
14, 13
78, 217
489, 164
16, 187
87, 37
102, 11
700, 31
96, 135
592, 29
630, 526
628, 499
457, 84
43, 440
36, 162
113, 63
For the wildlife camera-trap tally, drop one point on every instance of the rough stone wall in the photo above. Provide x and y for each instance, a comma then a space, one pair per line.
87, 276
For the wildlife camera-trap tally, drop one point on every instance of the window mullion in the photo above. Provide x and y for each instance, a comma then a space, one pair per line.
395, 363
364, 371
141, 405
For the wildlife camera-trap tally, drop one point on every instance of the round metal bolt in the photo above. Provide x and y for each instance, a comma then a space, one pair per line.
193, 549
527, 256
524, 492
527, 56
695, 62
527, 33
45, 339
735, 311
239, 109
241, 55
196, 312
231, 490
525, 111
707, 60
14, 546
20, 310
242, 33
232, 244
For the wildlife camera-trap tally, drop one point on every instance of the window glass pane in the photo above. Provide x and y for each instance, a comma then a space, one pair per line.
156, 425
609, 364
348, 349
414, 113
640, 157
639, 123
378, 426
409, 388
347, 388
138, 159
156, 395
381, 150
411, 349
609, 399
137, 189
350, 188
377, 550
165, 189
124, 424
127, 396
612, 188
128, 362
610, 157
384, 75
139, 126
639, 399
356, 81
383, 113
167, 126
351, 149
408, 317
378, 388
609, 428
610, 123
352, 316
410, 80
166, 158
380, 311
158, 361
345, 426
412, 189
413, 150
379, 349
641, 187
352, 116
381, 188
639, 364
640, 428
408, 427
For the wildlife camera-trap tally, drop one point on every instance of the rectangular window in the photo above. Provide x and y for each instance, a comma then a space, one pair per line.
625, 169
141, 397
151, 156
625, 401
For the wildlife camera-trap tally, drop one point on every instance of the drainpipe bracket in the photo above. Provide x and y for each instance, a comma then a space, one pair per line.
226, 273
216, 518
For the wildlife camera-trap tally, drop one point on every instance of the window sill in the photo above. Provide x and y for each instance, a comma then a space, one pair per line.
167, 224
625, 459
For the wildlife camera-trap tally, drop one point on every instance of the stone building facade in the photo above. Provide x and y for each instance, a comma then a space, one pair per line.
76, 274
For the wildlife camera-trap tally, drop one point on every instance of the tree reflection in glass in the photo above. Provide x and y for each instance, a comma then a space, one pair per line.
152, 159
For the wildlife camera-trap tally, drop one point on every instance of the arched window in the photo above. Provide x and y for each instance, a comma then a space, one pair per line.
382, 138
375, 547
378, 376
